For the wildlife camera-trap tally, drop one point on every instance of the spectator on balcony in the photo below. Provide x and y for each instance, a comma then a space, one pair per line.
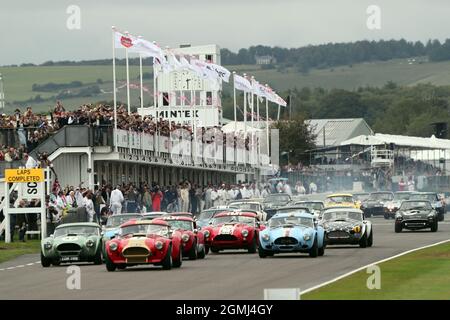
30, 162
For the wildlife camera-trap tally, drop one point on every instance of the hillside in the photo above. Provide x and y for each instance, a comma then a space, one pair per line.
18, 81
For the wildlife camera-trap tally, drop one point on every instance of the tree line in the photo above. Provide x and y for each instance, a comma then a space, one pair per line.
312, 56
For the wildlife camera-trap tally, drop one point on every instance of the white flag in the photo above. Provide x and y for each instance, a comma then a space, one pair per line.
222, 73
240, 83
123, 41
147, 49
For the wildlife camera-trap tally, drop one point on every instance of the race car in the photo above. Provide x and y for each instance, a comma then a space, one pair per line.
251, 205
292, 232
274, 201
437, 202
233, 230
416, 214
314, 206
340, 200
206, 215
391, 207
72, 242
144, 242
193, 240
347, 226
152, 215
375, 204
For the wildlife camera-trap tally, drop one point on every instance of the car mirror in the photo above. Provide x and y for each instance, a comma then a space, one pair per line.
52, 235
210, 223
195, 231
170, 233
365, 222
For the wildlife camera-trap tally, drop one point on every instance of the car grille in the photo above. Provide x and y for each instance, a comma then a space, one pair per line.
133, 252
225, 237
415, 223
286, 241
68, 247
338, 234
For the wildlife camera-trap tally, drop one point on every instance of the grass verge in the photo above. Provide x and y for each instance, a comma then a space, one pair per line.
14, 249
419, 275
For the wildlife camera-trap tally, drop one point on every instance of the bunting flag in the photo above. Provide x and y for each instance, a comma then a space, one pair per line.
240, 83
122, 41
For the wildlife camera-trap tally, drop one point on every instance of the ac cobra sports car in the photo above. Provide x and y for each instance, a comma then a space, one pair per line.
416, 214
292, 232
274, 201
376, 203
193, 241
347, 226
233, 230
391, 207
144, 242
436, 201
72, 242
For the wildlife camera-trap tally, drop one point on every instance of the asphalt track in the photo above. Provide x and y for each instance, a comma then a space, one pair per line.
227, 275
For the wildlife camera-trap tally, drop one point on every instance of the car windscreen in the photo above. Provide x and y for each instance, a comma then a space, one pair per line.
244, 205
181, 224
361, 197
415, 205
277, 199
208, 214
144, 229
424, 196
76, 231
402, 196
341, 215
292, 210
381, 196
339, 199
234, 219
276, 222
311, 205
118, 219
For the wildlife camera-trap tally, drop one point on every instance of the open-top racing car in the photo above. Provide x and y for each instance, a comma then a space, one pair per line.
144, 242
193, 240
233, 230
274, 201
347, 226
72, 242
437, 202
391, 207
292, 232
375, 204
340, 200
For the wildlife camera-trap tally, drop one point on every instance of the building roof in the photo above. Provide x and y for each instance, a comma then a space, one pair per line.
337, 130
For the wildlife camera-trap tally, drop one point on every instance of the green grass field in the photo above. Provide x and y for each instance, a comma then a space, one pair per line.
419, 275
18, 80
14, 249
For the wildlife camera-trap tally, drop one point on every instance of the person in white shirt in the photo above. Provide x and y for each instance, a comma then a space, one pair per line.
287, 189
222, 196
300, 188
232, 193
411, 184
78, 197
116, 200
89, 204
279, 186
265, 192
70, 199
214, 197
244, 192
30, 162
312, 188
255, 192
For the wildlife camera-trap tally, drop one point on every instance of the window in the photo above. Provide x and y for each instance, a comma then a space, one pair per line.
208, 98
209, 58
165, 98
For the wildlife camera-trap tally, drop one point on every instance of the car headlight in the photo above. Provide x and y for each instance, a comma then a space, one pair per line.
357, 229
431, 215
398, 217
89, 243
266, 237
306, 237
185, 237
244, 232
113, 246
159, 245
206, 233
48, 245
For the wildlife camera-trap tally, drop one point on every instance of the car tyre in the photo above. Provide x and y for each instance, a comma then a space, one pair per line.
98, 257
386, 216
110, 266
121, 266
441, 216
434, 227
56, 262
45, 262
253, 247
177, 263
398, 228
363, 241
214, 250
262, 253
370, 239
167, 261
193, 253
314, 251
201, 254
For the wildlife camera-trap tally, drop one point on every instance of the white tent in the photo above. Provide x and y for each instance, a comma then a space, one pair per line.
363, 140
401, 141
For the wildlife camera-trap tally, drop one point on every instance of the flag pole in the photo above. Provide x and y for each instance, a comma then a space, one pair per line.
258, 125
245, 123
142, 84
252, 120
114, 83
235, 115
267, 124
128, 75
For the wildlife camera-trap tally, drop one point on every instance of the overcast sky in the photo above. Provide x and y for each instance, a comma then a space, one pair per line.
36, 31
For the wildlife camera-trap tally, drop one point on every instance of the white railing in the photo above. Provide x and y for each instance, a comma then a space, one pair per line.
381, 157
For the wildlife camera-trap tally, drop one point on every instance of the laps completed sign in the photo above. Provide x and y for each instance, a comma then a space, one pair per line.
24, 175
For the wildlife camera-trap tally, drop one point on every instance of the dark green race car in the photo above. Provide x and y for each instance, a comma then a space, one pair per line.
72, 242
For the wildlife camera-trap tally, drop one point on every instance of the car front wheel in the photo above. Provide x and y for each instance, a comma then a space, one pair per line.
363, 241
314, 251
434, 227
167, 261
398, 228
45, 262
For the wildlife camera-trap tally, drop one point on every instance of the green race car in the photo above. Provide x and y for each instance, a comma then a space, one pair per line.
73, 242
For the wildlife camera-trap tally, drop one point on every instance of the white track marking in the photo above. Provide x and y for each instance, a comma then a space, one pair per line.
30, 264
370, 264
19, 266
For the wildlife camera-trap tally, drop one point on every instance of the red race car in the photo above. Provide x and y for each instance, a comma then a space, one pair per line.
144, 242
233, 230
193, 241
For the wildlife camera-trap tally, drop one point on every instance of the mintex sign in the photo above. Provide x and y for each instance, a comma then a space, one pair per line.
24, 175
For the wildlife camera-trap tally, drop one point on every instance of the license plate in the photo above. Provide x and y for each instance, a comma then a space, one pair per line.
70, 258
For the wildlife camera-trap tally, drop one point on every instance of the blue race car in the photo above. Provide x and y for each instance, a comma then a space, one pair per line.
292, 232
